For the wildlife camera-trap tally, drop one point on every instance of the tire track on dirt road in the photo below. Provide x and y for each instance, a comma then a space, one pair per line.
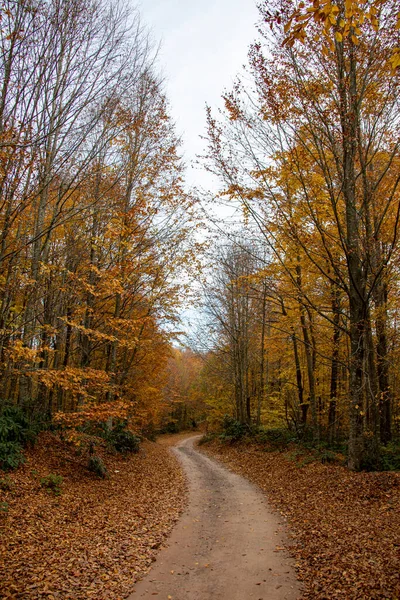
224, 546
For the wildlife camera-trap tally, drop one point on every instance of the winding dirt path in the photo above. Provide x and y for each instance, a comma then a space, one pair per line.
224, 547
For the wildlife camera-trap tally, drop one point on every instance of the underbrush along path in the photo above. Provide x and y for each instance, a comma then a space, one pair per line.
226, 546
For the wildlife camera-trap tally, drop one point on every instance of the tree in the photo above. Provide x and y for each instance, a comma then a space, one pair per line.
95, 220
308, 153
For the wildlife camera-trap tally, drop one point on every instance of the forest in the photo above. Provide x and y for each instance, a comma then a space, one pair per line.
99, 240
104, 246
303, 305
94, 217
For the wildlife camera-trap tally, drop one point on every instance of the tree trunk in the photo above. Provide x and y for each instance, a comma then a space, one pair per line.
299, 380
357, 282
385, 400
308, 351
335, 296
262, 356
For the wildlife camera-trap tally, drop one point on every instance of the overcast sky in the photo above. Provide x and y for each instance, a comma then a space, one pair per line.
203, 46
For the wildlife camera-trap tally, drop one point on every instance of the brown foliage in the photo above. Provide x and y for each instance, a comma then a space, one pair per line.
95, 539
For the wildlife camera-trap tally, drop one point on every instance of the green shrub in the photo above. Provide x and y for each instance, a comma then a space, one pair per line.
277, 438
97, 466
390, 457
10, 455
121, 439
4, 507
16, 426
327, 456
234, 430
118, 437
170, 427
17, 430
208, 437
52, 483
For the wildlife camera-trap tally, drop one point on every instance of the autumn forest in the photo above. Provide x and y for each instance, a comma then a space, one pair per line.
289, 268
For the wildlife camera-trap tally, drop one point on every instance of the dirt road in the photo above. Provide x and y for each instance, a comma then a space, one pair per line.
226, 544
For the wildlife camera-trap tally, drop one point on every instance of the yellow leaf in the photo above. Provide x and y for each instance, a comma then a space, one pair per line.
375, 23
287, 26
395, 60
338, 36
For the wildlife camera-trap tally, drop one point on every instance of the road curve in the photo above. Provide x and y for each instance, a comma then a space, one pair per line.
226, 544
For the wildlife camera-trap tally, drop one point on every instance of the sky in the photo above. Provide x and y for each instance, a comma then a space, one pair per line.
203, 46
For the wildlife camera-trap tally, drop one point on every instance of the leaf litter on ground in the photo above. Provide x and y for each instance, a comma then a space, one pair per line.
99, 536
345, 526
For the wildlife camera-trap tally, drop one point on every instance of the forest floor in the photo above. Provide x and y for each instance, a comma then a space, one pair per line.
345, 526
98, 536
228, 544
